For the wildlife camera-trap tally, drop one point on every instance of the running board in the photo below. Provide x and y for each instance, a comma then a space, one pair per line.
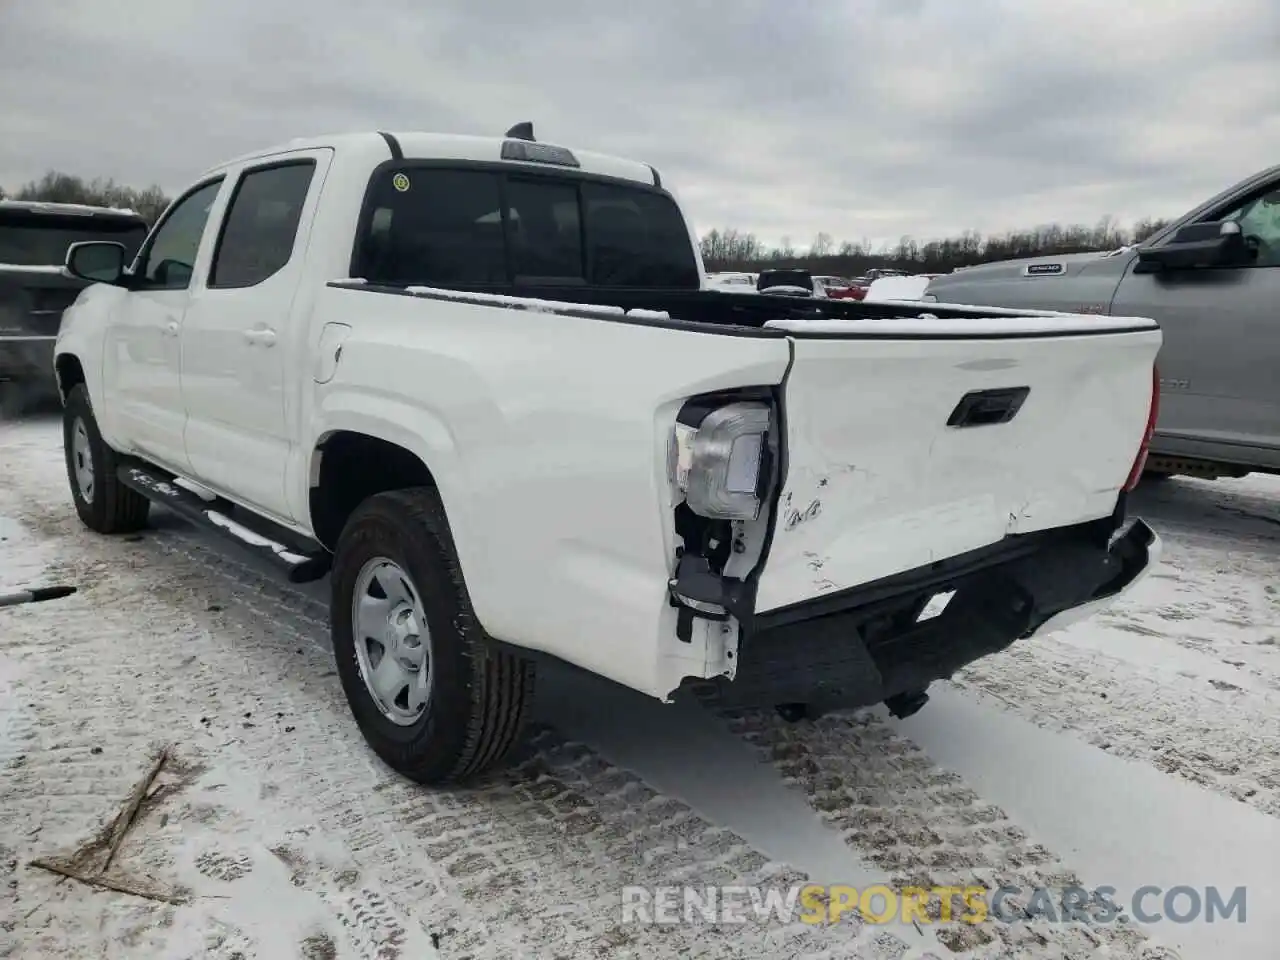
300, 563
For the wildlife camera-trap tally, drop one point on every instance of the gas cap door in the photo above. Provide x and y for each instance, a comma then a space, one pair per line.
329, 351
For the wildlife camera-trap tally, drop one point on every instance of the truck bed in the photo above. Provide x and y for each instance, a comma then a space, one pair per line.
754, 311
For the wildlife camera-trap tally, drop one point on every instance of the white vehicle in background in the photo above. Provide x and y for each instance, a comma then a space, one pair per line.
731, 281
898, 287
480, 382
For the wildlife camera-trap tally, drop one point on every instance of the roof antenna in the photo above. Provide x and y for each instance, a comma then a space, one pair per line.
521, 131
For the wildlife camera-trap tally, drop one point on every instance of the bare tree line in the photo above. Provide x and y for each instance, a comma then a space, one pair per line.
728, 248
58, 187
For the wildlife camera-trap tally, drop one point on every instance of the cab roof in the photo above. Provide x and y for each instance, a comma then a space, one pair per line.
374, 147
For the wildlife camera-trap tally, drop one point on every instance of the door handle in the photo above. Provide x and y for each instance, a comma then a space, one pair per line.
263, 335
171, 328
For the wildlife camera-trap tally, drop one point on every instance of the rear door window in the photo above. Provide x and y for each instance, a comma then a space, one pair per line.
261, 224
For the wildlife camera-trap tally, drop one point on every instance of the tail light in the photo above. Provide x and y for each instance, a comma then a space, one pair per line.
716, 461
1140, 462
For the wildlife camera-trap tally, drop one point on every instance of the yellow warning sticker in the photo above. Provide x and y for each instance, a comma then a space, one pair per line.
400, 182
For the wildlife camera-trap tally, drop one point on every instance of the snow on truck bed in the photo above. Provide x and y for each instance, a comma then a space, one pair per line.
1139, 748
534, 304
1022, 322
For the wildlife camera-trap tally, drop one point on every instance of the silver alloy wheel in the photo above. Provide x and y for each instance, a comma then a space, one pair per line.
392, 641
82, 457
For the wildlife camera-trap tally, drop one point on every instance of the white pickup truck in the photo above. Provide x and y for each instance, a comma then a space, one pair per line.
477, 382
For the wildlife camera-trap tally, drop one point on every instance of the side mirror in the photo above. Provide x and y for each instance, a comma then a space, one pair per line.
98, 261
1198, 246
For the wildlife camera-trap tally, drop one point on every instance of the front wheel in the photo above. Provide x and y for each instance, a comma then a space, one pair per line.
102, 501
434, 698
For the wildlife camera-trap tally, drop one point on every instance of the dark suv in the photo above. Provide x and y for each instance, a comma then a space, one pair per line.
34, 290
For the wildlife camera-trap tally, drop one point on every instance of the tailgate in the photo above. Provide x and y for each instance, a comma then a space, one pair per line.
879, 482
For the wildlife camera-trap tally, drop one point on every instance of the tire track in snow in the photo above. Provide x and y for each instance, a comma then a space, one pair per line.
545, 845
926, 828
1184, 731
560, 820
534, 854
1186, 678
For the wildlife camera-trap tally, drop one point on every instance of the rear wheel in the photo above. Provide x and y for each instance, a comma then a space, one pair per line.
434, 698
103, 503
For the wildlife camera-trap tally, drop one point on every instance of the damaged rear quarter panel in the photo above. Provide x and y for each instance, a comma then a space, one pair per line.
553, 469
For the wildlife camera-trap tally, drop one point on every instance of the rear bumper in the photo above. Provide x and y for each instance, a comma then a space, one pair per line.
1140, 548
866, 644
27, 358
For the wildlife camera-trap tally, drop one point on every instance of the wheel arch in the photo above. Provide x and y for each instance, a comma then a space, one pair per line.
69, 372
347, 467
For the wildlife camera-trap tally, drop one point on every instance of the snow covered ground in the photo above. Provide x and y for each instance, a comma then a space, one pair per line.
1142, 748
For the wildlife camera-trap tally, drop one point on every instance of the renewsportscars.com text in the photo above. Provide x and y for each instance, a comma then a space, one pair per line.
815, 904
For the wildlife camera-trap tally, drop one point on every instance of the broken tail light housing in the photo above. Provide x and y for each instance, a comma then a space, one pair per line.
1140, 461
717, 461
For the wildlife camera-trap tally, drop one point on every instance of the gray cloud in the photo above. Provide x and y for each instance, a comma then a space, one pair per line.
863, 119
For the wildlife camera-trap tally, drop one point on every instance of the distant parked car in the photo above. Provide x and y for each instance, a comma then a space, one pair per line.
730, 280
878, 273
838, 288
898, 287
35, 289
790, 282
1212, 281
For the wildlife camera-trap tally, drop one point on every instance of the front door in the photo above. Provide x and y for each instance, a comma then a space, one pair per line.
141, 359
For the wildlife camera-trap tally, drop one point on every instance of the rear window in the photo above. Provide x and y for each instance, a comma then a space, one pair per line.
544, 226
441, 227
784, 278
43, 242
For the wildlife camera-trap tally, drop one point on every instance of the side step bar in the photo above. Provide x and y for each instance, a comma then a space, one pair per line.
301, 562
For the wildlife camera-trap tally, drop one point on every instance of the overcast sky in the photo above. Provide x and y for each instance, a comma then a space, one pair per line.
860, 118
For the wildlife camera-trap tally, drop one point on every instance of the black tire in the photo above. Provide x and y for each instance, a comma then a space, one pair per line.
112, 507
480, 693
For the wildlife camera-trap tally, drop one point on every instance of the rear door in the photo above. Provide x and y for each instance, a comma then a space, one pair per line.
237, 332
896, 457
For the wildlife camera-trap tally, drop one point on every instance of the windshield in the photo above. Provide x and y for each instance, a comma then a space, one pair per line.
40, 244
432, 226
